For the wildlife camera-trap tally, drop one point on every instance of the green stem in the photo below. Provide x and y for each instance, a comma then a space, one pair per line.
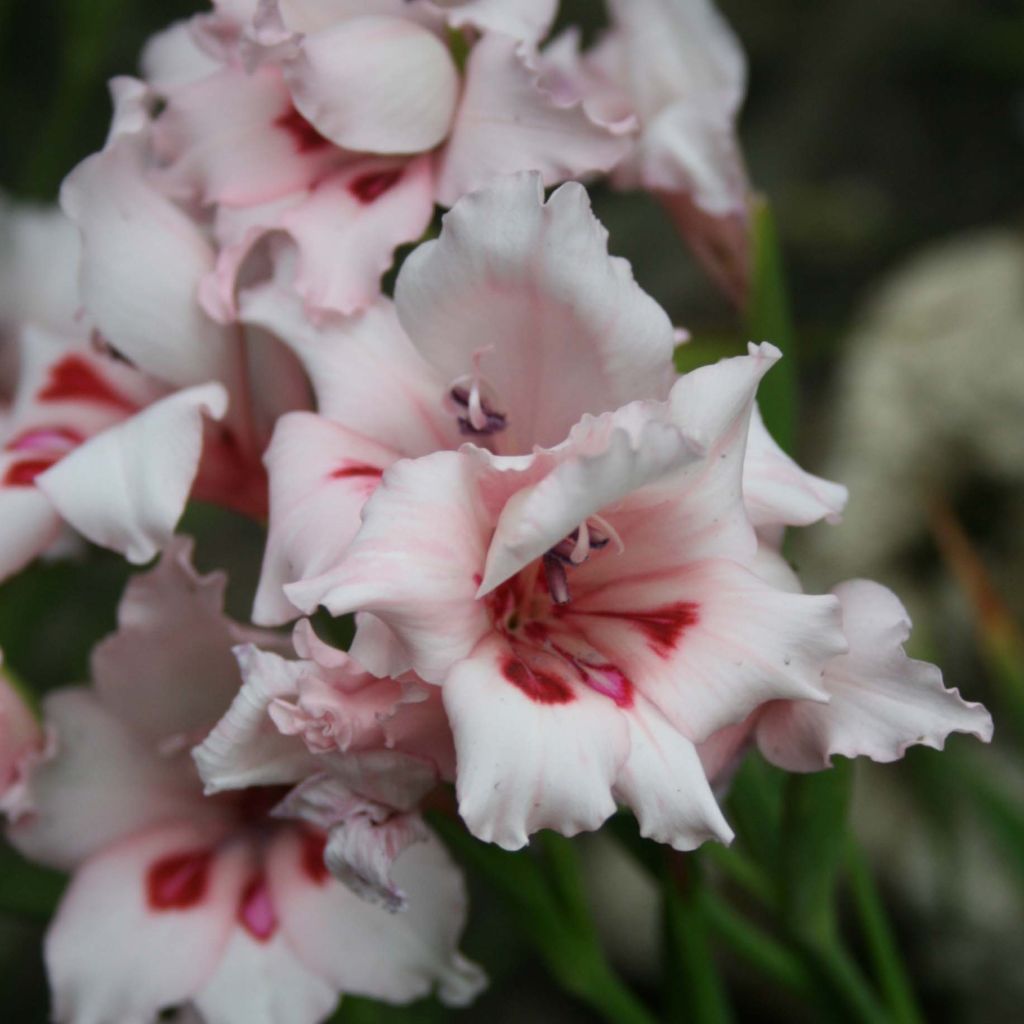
885, 956
693, 987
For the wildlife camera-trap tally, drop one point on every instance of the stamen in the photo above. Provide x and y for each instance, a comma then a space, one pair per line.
472, 399
581, 551
557, 579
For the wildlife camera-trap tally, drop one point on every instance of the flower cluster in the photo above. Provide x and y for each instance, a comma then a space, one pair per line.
564, 560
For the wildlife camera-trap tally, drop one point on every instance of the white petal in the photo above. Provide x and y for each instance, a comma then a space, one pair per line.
778, 492
530, 762
563, 328
882, 702
364, 950
245, 748
264, 982
663, 781
142, 261
113, 957
375, 85
31, 525
126, 488
523, 19
610, 465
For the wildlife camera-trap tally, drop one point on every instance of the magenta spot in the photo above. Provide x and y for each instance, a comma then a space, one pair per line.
612, 682
179, 881
304, 136
663, 627
540, 687
46, 439
313, 845
369, 187
356, 469
24, 473
256, 909
74, 380
602, 677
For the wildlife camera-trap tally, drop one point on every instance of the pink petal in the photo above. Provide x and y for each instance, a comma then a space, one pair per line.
363, 949
233, 137
141, 253
508, 121
114, 954
169, 669
416, 562
881, 702
321, 475
522, 19
777, 492
103, 783
563, 328
375, 84
705, 642
367, 375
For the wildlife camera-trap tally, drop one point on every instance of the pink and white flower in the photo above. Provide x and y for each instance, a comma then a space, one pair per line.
327, 133
181, 898
504, 331
676, 67
362, 752
590, 611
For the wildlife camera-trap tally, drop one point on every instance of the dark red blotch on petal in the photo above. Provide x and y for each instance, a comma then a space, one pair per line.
663, 627
304, 136
369, 187
24, 473
73, 379
313, 845
356, 469
541, 687
179, 881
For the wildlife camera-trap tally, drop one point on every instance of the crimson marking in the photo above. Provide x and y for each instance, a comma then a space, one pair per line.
663, 627
74, 380
179, 881
304, 136
313, 845
540, 687
370, 187
356, 469
24, 473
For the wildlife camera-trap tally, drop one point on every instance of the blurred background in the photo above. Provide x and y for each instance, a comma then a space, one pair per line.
889, 138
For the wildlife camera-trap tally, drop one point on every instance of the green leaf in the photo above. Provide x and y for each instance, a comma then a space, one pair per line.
769, 319
813, 844
27, 889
